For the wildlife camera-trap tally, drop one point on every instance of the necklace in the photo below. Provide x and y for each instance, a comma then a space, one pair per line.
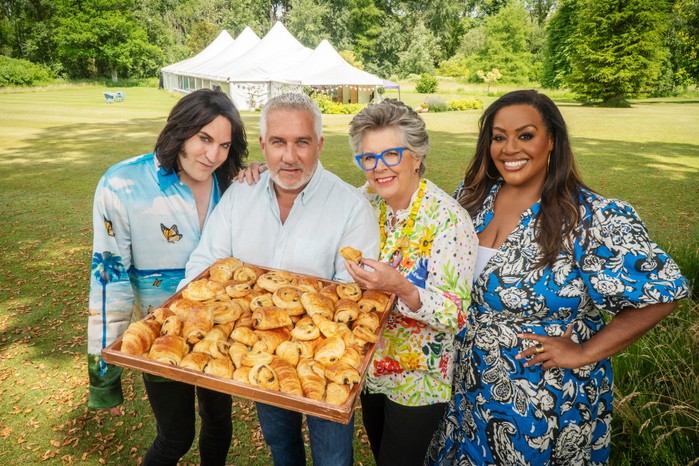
403, 240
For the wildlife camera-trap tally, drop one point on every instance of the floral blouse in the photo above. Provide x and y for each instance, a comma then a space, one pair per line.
505, 413
413, 363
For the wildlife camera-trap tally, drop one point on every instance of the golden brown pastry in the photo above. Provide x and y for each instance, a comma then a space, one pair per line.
236, 352
244, 335
263, 376
316, 303
342, 373
161, 313
222, 367
247, 273
336, 394
365, 334
202, 290
307, 283
181, 307
346, 310
241, 374
312, 376
252, 358
236, 289
215, 348
243, 303
370, 320
329, 350
289, 299
220, 332
290, 351
349, 291
328, 328
263, 300
270, 339
225, 310
195, 361
172, 326
305, 329
330, 292
265, 318
275, 279
289, 381
198, 323
308, 347
352, 356
373, 301
245, 320
222, 270
350, 254
168, 349
139, 337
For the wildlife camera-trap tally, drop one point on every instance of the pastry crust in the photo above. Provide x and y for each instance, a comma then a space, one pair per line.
168, 349
349, 291
346, 310
252, 358
290, 351
265, 318
337, 394
275, 279
342, 373
247, 273
236, 289
289, 299
330, 292
352, 356
161, 313
182, 307
222, 270
198, 323
139, 337
236, 352
307, 283
350, 254
329, 328
289, 381
220, 332
305, 329
373, 301
268, 340
241, 374
244, 335
195, 361
263, 376
363, 333
370, 320
316, 303
329, 350
312, 376
215, 348
172, 326
202, 290
263, 300
222, 367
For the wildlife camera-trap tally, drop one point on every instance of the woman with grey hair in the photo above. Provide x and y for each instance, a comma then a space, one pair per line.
427, 259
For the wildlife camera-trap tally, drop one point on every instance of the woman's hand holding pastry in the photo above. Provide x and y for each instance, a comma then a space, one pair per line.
383, 277
553, 351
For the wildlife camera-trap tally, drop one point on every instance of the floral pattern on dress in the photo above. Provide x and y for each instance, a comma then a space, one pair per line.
413, 363
504, 413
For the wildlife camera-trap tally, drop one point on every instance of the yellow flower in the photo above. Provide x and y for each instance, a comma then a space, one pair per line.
410, 361
425, 243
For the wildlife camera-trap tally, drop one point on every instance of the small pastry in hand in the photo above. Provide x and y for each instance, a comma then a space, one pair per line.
351, 255
139, 337
220, 368
346, 310
336, 394
349, 291
195, 361
168, 349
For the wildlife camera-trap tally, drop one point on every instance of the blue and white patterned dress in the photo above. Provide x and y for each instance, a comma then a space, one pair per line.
504, 413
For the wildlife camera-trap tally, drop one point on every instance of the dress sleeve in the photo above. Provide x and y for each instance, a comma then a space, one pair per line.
447, 293
621, 266
111, 301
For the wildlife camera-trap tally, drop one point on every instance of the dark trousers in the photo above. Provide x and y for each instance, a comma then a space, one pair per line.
399, 435
173, 406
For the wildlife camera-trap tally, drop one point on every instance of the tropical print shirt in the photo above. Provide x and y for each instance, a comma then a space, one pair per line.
145, 227
413, 363
504, 413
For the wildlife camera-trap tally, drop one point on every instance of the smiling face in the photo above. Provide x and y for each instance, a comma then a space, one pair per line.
520, 146
291, 148
204, 152
395, 184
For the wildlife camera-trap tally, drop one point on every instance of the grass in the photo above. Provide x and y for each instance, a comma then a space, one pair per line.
56, 142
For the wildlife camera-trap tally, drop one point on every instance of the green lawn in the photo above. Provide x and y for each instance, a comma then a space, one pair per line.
55, 143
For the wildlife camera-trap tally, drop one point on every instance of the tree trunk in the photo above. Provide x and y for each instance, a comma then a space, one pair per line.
115, 76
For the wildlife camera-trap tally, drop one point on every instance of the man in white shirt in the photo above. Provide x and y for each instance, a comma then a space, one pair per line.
296, 218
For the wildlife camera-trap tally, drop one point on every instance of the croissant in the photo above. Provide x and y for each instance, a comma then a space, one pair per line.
352, 356
289, 381
373, 301
222, 270
270, 339
168, 349
161, 313
350, 254
312, 376
263, 300
330, 292
346, 310
245, 320
247, 273
251, 358
263, 376
330, 350
349, 291
307, 283
202, 290
370, 320
172, 326
337, 394
365, 334
275, 279
316, 303
342, 373
290, 351
215, 348
220, 368
305, 329
225, 310
241, 375
195, 361
139, 337
289, 299
308, 347
198, 323
236, 289
328, 327
255, 293
244, 335
182, 307
265, 318
236, 352
220, 332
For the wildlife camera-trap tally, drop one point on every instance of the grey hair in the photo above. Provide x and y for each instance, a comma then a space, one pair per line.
392, 113
292, 101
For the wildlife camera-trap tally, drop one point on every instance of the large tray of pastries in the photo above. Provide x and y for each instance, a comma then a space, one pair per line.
285, 339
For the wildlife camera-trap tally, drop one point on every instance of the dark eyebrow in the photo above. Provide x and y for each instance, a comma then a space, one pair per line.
521, 128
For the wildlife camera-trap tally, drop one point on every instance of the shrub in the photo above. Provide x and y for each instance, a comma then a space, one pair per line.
455, 67
465, 104
427, 84
330, 107
435, 103
18, 72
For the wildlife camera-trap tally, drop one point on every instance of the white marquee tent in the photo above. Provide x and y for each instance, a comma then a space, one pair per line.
252, 70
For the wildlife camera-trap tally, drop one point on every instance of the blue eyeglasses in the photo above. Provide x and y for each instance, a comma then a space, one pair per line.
390, 157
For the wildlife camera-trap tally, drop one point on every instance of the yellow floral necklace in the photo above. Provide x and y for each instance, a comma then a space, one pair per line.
403, 241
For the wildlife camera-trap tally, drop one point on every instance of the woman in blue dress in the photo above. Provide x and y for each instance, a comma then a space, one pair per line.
533, 380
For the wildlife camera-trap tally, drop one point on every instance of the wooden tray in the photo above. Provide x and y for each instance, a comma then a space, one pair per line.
341, 413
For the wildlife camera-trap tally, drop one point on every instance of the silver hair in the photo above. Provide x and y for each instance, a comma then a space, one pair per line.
292, 101
392, 113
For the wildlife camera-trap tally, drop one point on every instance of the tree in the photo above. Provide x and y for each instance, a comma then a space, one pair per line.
421, 52
202, 34
558, 48
306, 21
365, 27
617, 50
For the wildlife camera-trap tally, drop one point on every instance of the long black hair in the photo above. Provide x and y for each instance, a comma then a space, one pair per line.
188, 117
